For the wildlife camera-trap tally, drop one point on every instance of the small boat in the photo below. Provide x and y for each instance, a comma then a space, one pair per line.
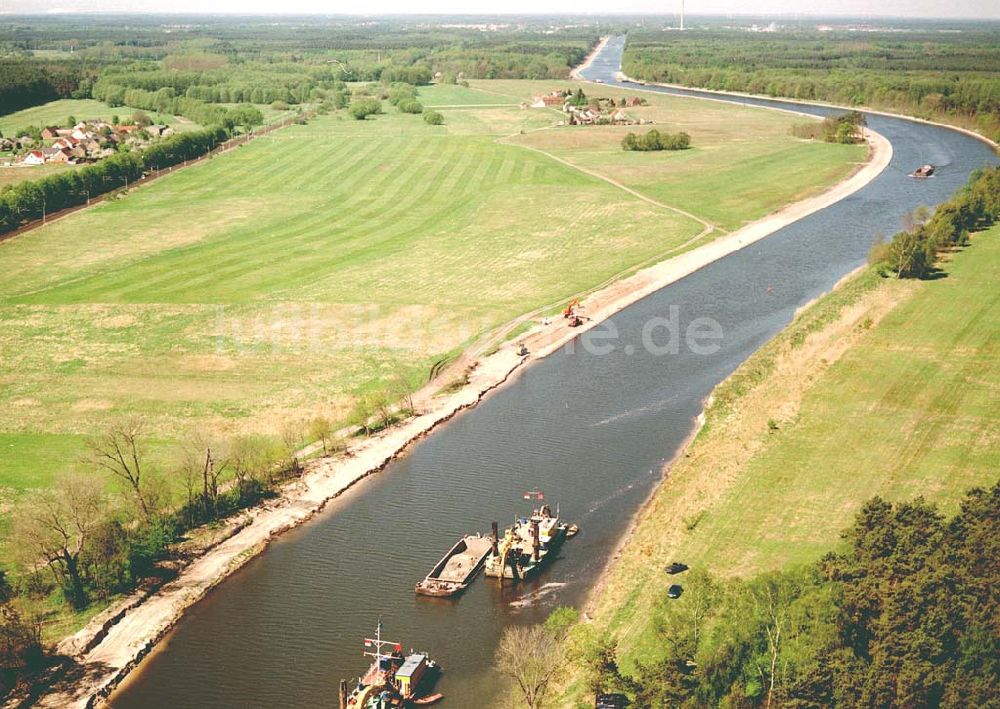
424, 701
394, 679
923, 171
457, 569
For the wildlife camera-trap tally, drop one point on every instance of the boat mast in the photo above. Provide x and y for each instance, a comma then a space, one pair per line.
377, 642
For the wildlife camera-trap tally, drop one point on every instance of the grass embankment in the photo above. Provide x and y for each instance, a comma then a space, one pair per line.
883, 387
283, 279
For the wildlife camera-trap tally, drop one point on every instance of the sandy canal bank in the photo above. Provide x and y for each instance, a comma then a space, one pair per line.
598, 48
108, 649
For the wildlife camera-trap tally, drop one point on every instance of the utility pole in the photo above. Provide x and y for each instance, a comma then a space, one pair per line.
682, 15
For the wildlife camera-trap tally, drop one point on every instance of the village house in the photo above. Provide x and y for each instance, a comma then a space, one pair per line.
56, 154
65, 143
553, 99
35, 157
50, 132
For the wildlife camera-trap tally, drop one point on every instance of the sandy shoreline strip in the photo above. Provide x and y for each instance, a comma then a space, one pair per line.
598, 48
125, 641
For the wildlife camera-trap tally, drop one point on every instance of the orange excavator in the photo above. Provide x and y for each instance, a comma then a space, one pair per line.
571, 314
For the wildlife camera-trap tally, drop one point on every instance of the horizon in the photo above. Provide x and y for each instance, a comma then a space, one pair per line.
926, 10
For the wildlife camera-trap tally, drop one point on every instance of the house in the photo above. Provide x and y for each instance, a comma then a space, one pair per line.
56, 154
553, 99
23, 141
35, 157
6, 144
50, 132
65, 143
126, 129
155, 130
80, 133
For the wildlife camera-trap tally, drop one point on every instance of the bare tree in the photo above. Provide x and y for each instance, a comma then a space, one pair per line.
404, 393
118, 451
252, 459
531, 657
53, 527
205, 459
291, 439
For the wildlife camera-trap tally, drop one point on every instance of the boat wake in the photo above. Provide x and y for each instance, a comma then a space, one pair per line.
537, 595
598, 504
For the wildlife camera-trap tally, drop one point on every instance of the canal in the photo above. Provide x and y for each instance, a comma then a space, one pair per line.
590, 430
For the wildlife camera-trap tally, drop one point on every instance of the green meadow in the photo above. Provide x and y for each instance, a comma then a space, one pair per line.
281, 280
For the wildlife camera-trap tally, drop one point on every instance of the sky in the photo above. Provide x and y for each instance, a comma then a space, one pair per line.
981, 9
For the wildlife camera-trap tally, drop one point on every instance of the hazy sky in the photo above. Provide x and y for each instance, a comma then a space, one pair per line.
903, 8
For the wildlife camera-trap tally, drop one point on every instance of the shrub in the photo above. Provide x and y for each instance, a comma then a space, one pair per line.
364, 107
410, 106
433, 118
279, 106
400, 92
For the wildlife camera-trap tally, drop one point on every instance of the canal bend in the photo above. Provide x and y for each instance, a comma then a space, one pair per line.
592, 432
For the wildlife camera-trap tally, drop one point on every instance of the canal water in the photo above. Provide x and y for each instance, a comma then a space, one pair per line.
589, 430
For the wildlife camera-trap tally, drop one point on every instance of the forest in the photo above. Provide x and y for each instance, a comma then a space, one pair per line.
903, 614
953, 76
255, 61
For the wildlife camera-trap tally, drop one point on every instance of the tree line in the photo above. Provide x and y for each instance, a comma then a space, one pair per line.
953, 78
905, 615
913, 251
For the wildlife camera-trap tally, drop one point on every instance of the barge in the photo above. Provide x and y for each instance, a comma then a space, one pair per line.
526, 546
923, 171
457, 569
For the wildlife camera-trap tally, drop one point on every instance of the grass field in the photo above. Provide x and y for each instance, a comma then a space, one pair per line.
736, 152
280, 280
13, 175
56, 113
794, 445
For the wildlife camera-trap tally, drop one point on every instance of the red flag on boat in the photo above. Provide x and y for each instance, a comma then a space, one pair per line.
399, 648
534, 495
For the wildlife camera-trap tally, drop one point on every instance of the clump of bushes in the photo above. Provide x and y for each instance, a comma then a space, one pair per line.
399, 92
433, 118
846, 129
654, 140
363, 107
410, 106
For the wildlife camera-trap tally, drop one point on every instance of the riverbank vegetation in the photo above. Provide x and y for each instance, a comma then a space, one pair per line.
901, 616
768, 613
952, 77
914, 252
